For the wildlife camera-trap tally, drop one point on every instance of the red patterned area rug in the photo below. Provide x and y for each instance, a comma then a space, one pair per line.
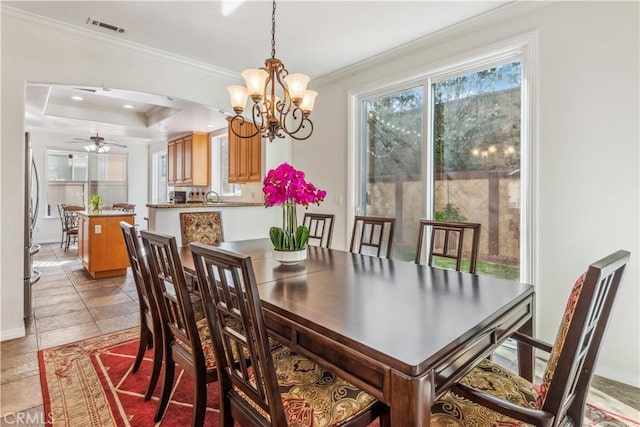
90, 383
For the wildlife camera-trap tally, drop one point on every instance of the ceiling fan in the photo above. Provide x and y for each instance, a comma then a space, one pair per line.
96, 144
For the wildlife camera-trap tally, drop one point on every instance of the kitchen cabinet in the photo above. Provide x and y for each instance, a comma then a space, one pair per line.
188, 161
245, 154
101, 247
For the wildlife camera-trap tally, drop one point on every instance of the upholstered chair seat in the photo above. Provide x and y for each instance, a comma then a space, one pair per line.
453, 410
205, 340
207, 345
312, 396
202, 227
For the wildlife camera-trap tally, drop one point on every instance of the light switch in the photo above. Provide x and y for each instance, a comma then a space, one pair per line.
98, 229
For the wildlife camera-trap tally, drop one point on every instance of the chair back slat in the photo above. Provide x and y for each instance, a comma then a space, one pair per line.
229, 287
448, 241
170, 290
320, 228
570, 368
124, 207
372, 235
70, 214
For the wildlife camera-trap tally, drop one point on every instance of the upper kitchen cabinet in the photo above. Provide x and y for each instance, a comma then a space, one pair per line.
245, 154
188, 160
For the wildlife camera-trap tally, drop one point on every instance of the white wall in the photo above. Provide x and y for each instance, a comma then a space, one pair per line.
35, 51
49, 229
587, 179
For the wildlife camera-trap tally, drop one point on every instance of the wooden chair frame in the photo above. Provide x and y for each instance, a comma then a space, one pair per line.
125, 207
453, 239
150, 323
320, 228
569, 384
231, 298
70, 215
178, 323
64, 229
369, 232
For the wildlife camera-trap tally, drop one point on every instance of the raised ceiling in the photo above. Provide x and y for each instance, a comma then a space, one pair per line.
312, 37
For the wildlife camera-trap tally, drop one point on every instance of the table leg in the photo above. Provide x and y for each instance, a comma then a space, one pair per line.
526, 362
411, 399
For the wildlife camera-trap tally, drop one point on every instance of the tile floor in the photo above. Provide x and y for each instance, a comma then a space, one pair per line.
68, 305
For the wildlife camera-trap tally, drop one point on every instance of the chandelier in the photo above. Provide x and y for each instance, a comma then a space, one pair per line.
281, 102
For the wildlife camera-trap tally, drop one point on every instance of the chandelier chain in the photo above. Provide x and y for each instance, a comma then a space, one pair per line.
273, 30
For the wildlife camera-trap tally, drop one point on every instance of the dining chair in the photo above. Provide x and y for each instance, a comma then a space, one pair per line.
203, 227
125, 207
273, 386
492, 395
64, 229
447, 241
372, 235
150, 323
186, 335
320, 228
70, 215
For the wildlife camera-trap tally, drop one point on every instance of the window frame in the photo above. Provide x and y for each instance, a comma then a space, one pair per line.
85, 183
522, 48
216, 166
156, 181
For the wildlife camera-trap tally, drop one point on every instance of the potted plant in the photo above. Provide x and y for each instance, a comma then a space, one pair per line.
286, 186
95, 202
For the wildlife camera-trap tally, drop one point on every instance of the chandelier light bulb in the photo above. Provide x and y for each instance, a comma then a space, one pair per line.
238, 95
297, 85
255, 79
308, 101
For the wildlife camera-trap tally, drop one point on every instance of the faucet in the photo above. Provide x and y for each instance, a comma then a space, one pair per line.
208, 198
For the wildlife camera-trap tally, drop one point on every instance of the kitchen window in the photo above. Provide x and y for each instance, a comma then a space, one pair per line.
72, 177
160, 192
220, 167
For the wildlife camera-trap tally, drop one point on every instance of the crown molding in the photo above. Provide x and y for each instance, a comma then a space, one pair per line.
47, 24
499, 14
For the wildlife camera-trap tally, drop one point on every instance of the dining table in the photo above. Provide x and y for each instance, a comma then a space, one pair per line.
401, 331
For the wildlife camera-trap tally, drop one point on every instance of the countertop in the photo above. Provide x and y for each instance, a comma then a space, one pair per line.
203, 205
105, 212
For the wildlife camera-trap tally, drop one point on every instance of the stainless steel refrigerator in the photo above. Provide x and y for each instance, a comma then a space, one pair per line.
31, 204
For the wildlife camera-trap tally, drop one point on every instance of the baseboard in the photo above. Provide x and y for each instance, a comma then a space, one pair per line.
12, 333
624, 377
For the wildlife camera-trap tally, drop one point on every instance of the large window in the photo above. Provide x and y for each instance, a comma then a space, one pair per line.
220, 168
160, 194
72, 177
448, 147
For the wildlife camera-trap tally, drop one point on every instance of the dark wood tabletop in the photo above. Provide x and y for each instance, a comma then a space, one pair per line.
401, 331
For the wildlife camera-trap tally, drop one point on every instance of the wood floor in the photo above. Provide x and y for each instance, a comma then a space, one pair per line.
68, 305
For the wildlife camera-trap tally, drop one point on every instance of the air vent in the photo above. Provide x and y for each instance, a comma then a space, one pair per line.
105, 25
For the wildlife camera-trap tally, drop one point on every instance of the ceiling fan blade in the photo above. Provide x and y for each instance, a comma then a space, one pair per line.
116, 144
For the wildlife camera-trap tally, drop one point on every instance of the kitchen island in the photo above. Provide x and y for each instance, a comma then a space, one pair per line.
101, 247
240, 220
